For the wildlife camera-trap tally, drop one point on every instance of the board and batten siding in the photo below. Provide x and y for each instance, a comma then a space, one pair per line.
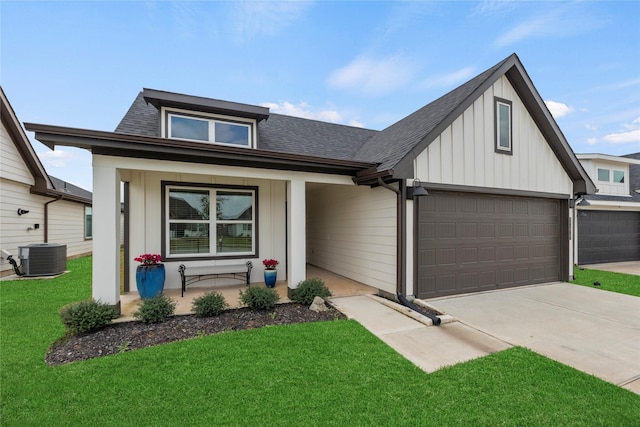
607, 188
464, 153
352, 231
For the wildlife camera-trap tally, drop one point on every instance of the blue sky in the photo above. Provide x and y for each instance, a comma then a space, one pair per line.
81, 64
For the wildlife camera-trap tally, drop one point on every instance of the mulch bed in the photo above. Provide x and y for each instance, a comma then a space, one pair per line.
128, 336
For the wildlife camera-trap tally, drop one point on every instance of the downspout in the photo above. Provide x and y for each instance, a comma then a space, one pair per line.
46, 218
400, 250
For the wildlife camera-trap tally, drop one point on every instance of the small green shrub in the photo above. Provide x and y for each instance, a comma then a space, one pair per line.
86, 315
259, 298
156, 309
209, 305
307, 290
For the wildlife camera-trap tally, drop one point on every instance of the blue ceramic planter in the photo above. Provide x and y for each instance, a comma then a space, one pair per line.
270, 277
150, 280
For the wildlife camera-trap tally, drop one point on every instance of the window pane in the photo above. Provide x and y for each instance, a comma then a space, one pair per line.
189, 204
88, 222
603, 175
188, 238
234, 205
188, 128
234, 238
618, 176
503, 134
228, 133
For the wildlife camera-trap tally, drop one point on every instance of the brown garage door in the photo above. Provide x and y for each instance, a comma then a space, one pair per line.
474, 242
608, 236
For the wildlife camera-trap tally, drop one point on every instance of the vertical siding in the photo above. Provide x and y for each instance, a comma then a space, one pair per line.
12, 167
464, 153
352, 231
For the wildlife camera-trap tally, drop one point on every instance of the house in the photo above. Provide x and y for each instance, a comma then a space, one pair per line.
36, 207
499, 173
608, 223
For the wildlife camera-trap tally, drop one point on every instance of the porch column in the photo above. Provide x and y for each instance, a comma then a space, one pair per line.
296, 214
106, 235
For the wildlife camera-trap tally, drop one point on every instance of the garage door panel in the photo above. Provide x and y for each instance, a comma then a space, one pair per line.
608, 236
486, 242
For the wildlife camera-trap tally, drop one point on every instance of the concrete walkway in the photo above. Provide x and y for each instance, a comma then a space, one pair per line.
428, 347
627, 267
595, 331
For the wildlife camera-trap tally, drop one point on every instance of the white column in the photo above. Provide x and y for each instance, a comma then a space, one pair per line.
297, 231
106, 235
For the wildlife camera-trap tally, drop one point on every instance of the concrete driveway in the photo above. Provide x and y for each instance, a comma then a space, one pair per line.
627, 267
595, 331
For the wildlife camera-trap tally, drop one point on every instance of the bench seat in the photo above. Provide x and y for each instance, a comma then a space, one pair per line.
190, 275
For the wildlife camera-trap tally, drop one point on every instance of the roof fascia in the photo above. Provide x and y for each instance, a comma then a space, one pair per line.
125, 145
159, 99
608, 158
24, 147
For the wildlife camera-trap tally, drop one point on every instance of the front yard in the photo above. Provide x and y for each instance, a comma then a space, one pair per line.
327, 373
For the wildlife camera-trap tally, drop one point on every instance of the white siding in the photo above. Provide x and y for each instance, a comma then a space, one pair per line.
352, 231
608, 188
66, 226
12, 167
464, 153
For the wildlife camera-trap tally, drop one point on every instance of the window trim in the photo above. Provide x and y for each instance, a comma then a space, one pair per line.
611, 175
496, 123
211, 119
86, 237
166, 185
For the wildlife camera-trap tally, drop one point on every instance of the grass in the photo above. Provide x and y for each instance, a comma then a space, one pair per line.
615, 282
329, 373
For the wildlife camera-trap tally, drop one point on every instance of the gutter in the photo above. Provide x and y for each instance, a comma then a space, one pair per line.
46, 217
400, 250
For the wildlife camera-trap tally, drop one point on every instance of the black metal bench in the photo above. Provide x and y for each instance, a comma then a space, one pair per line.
190, 275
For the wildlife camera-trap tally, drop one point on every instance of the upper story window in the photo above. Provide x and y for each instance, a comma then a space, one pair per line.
209, 222
209, 129
614, 176
503, 126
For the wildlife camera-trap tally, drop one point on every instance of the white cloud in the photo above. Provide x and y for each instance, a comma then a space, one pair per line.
591, 127
558, 109
448, 79
255, 18
56, 158
591, 141
373, 76
303, 110
623, 137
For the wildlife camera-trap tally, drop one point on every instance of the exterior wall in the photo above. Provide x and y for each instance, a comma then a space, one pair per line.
464, 153
352, 231
12, 167
66, 225
607, 188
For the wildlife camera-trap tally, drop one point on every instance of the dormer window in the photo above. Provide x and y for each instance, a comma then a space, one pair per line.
209, 129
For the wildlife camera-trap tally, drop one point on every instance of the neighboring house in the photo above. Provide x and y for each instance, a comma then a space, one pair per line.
58, 212
499, 173
608, 223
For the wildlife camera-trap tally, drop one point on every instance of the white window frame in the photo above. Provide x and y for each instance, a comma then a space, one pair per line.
499, 148
611, 172
212, 119
213, 221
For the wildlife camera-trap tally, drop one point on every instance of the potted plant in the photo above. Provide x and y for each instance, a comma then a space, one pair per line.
150, 275
270, 272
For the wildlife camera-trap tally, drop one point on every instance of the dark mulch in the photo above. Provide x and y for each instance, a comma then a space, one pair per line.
128, 336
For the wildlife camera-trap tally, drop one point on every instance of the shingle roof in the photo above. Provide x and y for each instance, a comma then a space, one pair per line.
65, 187
141, 119
393, 143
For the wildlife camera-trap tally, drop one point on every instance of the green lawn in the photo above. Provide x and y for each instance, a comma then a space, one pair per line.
331, 373
615, 282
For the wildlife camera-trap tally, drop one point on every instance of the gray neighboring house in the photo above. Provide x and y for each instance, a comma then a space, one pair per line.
500, 175
58, 212
608, 222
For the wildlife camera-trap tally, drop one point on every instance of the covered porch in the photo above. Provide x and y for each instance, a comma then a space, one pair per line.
338, 285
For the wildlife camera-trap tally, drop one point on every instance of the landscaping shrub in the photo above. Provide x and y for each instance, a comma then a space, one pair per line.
156, 309
86, 315
209, 305
259, 298
307, 290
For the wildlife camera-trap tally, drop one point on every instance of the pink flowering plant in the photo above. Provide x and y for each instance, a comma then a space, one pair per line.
270, 264
149, 259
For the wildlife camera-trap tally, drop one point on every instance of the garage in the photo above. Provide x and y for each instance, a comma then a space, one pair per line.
468, 242
608, 236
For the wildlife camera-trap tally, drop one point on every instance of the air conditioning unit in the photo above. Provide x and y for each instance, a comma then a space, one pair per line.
43, 259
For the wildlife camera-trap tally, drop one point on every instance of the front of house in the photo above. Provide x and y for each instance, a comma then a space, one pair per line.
499, 173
